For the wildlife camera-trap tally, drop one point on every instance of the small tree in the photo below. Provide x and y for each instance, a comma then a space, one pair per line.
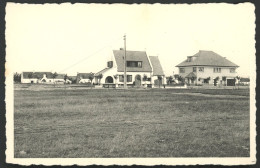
17, 77
176, 76
224, 78
208, 79
215, 80
30, 76
73, 80
238, 81
54, 75
100, 76
91, 77
159, 80
116, 77
170, 80
66, 78
180, 79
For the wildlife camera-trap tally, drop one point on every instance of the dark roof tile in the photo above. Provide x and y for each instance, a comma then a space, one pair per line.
157, 68
207, 58
132, 56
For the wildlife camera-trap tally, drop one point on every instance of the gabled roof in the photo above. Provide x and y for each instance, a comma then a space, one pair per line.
102, 71
157, 68
37, 75
84, 75
191, 75
207, 58
132, 56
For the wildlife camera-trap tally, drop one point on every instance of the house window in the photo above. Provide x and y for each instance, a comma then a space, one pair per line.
194, 69
139, 64
232, 70
217, 70
201, 69
110, 64
129, 78
121, 78
189, 59
134, 64
182, 70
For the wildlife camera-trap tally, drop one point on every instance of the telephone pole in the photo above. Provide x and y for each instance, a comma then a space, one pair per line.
125, 86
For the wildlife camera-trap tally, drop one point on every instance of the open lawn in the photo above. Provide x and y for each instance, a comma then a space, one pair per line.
131, 123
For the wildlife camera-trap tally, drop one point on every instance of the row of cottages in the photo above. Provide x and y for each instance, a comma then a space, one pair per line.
41, 77
207, 67
140, 68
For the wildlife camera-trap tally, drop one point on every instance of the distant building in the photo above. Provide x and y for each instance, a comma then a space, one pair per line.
244, 81
83, 77
41, 77
138, 65
207, 67
72, 79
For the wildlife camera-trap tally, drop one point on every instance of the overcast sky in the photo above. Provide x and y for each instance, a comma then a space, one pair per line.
75, 38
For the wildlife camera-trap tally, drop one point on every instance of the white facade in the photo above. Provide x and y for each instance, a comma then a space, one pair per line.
208, 72
109, 74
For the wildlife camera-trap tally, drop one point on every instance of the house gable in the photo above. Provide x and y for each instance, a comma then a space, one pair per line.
156, 65
131, 58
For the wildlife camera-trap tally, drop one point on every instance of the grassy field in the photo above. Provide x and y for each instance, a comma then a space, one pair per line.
131, 123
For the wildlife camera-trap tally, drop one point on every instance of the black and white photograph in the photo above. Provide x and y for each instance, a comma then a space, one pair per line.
121, 84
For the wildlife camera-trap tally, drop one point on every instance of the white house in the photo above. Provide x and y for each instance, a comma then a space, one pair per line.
207, 67
138, 65
83, 77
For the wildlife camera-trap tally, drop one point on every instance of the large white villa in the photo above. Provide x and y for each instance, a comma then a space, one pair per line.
207, 67
140, 69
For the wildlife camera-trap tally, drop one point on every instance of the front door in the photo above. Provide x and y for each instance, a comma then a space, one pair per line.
138, 80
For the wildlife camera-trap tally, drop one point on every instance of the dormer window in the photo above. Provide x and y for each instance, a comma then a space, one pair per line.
137, 64
110, 64
189, 59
